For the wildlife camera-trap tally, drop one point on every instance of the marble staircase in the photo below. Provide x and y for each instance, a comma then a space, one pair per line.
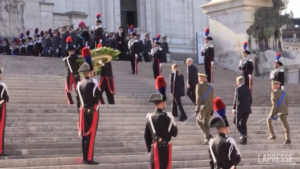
41, 128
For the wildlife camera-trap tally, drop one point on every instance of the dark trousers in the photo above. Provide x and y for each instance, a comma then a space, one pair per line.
177, 103
107, 85
140, 58
207, 66
71, 79
191, 93
156, 68
63, 51
246, 77
242, 119
90, 128
146, 57
2, 126
134, 64
161, 156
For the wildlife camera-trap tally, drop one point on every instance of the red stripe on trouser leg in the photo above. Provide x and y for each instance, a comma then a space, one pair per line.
92, 136
170, 156
158, 62
66, 91
2, 127
101, 81
81, 121
211, 74
155, 156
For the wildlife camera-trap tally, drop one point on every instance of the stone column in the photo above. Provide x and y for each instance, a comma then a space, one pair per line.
32, 15
228, 22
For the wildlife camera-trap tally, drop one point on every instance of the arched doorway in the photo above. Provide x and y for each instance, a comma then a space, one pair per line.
128, 13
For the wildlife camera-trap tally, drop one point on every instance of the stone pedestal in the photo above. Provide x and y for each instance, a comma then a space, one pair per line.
228, 22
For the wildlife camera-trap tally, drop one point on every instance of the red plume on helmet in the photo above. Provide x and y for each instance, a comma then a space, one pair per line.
218, 104
82, 24
98, 15
160, 82
42, 33
69, 39
36, 31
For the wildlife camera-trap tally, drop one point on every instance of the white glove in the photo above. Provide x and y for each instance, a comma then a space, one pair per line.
212, 62
282, 87
240, 64
100, 40
57, 50
136, 56
64, 58
250, 76
88, 47
141, 54
59, 46
160, 64
74, 46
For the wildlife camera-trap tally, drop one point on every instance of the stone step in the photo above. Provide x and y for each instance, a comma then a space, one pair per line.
175, 164
138, 158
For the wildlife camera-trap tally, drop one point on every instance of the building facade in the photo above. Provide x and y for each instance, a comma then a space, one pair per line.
178, 19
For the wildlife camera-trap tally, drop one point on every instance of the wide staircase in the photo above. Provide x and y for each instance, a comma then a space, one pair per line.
41, 128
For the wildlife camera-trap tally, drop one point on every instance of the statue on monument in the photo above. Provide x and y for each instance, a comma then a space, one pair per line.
267, 24
11, 17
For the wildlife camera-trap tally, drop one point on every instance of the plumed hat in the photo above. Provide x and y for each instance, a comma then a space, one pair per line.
69, 43
82, 24
156, 97
98, 16
220, 109
42, 33
217, 122
160, 85
21, 36
206, 32
87, 57
131, 29
16, 40
84, 67
36, 31
245, 45
157, 38
278, 56
27, 33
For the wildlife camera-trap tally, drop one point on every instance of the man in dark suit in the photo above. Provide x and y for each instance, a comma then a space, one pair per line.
121, 43
192, 80
242, 108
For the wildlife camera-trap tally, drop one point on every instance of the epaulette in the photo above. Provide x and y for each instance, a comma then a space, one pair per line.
95, 81
250, 60
148, 114
135, 40
281, 70
160, 48
64, 59
211, 45
231, 140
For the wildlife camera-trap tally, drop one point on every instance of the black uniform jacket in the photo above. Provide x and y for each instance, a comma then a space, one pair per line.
208, 52
164, 125
3, 92
278, 75
246, 65
225, 152
106, 70
71, 63
179, 84
89, 91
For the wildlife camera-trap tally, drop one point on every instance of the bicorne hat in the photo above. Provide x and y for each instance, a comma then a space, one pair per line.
277, 59
206, 34
245, 45
217, 122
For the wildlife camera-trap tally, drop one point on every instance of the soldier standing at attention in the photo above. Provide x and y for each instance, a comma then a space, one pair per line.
159, 130
279, 109
278, 73
204, 106
246, 66
208, 53
222, 149
4, 98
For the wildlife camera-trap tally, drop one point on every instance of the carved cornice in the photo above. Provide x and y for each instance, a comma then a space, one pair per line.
72, 14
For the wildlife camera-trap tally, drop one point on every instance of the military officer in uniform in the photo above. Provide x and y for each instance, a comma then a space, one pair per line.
246, 66
223, 151
4, 98
89, 94
159, 130
156, 55
133, 46
279, 110
107, 82
208, 53
72, 76
64, 35
278, 73
204, 105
